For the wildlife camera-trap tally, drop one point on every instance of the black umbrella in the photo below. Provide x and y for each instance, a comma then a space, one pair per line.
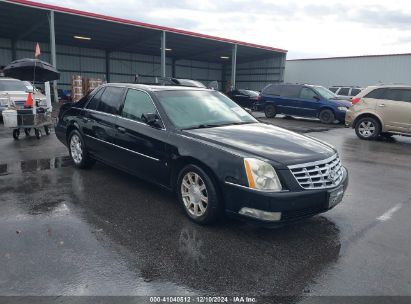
31, 70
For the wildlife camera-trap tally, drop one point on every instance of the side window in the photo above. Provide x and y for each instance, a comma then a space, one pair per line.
333, 89
95, 101
111, 100
397, 94
291, 91
355, 92
377, 94
307, 93
344, 91
136, 104
273, 89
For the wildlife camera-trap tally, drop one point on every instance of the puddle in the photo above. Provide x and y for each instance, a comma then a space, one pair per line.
33, 165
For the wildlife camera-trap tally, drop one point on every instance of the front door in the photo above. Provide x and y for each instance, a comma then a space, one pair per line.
143, 147
394, 107
309, 103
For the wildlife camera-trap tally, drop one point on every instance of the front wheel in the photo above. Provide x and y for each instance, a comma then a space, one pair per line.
78, 151
198, 196
327, 116
47, 130
16, 134
367, 128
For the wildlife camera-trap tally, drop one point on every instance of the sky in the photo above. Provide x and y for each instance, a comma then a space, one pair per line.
306, 28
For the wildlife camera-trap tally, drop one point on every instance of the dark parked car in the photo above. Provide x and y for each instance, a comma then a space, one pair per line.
303, 100
244, 98
202, 145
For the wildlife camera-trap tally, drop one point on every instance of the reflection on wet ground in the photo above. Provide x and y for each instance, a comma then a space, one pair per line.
35, 165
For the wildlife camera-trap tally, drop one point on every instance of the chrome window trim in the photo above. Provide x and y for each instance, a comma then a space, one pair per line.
128, 150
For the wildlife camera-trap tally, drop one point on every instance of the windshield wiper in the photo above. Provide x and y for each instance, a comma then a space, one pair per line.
203, 126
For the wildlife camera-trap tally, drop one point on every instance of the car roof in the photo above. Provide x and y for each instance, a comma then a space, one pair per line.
156, 88
8, 78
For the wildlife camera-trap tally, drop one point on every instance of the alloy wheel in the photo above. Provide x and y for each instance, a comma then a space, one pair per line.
194, 194
76, 149
366, 128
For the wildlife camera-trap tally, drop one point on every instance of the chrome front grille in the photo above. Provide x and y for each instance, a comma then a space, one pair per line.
321, 174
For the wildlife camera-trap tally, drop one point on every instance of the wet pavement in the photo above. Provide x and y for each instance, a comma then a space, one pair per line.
65, 231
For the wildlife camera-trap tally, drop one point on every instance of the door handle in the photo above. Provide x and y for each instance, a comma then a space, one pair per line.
381, 105
121, 129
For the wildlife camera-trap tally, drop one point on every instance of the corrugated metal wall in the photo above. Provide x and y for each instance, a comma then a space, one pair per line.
256, 75
124, 66
358, 71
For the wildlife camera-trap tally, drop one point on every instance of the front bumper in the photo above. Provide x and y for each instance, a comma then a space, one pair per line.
349, 118
292, 205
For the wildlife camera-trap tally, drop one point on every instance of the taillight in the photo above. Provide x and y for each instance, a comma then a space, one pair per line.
355, 100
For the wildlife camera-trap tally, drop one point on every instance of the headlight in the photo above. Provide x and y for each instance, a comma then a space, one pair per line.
261, 175
342, 108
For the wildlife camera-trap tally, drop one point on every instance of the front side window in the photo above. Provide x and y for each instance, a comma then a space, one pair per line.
324, 93
308, 93
188, 109
111, 100
397, 94
136, 104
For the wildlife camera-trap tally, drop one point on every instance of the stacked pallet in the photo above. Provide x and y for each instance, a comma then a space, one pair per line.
76, 87
89, 84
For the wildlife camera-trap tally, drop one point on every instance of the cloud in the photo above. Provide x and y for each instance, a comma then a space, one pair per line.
307, 28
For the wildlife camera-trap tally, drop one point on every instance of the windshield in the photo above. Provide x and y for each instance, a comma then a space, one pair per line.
191, 109
12, 85
249, 93
325, 93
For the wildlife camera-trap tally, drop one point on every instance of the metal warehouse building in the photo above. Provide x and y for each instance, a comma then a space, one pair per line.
350, 71
114, 49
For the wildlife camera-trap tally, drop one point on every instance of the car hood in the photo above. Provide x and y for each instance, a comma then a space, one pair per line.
341, 102
275, 144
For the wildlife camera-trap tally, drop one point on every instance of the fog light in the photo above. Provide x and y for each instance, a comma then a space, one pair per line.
260, 214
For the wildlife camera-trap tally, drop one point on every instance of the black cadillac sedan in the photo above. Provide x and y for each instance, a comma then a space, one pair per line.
211, 152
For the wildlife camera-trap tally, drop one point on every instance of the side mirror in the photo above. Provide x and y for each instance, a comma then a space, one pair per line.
152, 119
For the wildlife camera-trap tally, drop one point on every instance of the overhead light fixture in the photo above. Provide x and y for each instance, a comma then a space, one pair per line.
167, 50
82, 37
224, 57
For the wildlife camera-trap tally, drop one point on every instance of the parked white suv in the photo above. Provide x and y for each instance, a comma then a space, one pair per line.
346, 92
381, 110
17, 91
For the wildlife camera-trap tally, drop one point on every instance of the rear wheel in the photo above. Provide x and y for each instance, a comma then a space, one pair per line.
47, 130
327, 116
78, 152
16, 134
197, 194
270, 111
367, 128
27, 131
37, 132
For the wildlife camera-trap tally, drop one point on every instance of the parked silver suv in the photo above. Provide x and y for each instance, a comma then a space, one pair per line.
17, 91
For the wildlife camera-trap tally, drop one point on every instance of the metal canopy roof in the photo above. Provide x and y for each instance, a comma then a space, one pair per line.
26, 20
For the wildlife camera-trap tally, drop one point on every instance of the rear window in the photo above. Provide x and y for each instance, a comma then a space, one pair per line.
12, 85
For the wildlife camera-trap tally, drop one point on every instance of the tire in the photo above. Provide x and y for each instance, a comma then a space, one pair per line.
27, 131
47, 130
270, 111
37, 132
387, 135
198, 195
327, 116
78, 152
16, 134
368, 128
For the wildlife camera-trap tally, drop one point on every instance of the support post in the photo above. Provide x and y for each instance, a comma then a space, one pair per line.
107, 66
163, 54
233, 66
173, 68
13, 50
53, 52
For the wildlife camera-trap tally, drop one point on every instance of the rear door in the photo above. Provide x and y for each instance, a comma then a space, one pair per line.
143, 147
99, 123
395, 109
